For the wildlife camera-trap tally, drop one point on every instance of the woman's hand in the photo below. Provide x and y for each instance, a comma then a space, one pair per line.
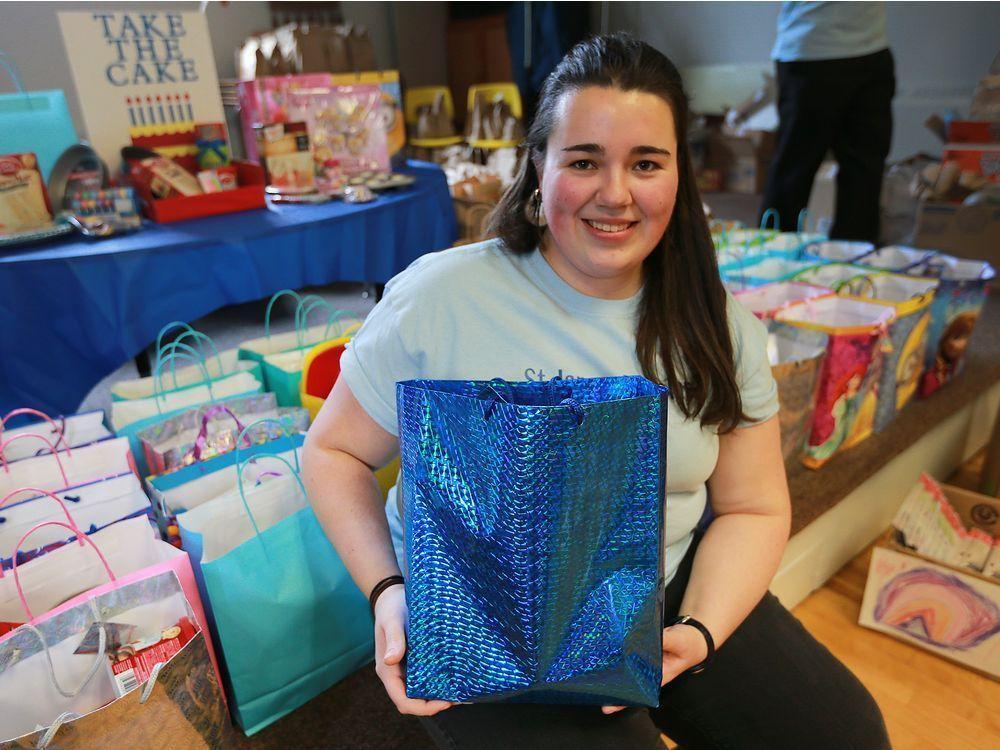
390, 647
683, 647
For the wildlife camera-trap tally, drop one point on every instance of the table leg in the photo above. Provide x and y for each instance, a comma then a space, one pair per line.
142, 363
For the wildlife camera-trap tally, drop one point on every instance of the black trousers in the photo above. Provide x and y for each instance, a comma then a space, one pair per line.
844, 105
771, 686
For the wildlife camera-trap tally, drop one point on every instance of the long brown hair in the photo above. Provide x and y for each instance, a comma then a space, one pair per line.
682, 335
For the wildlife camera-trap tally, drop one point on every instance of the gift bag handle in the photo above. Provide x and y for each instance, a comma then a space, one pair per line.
12, 70
166, 329
55, 497
102, 646
187, 332
56, 430
307, 305
55, 453
239, 482
163, 352
32, 530
182, 351
244, 434
772, 215
270, 304
202, 439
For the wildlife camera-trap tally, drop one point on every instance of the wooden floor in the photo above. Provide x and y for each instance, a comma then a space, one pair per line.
928, 703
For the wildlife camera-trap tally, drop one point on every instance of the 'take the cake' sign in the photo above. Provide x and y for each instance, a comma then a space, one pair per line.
143, 78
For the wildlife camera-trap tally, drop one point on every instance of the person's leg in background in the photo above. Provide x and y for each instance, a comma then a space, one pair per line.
810, 100
771, 686
861, 147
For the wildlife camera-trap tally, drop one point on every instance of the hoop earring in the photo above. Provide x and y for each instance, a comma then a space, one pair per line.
533, 209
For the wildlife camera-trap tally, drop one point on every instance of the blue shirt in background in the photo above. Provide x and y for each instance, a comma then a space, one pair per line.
829, 30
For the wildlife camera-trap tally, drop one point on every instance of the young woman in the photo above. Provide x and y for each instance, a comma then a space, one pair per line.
604, 266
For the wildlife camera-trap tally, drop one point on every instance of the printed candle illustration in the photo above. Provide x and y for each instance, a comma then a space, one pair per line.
938, 609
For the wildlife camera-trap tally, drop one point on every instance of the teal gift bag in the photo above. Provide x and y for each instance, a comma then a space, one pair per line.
286, 615
35, 122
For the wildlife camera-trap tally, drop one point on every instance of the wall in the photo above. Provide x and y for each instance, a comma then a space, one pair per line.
941, 49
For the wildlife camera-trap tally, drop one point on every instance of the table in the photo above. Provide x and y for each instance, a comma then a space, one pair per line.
71, 312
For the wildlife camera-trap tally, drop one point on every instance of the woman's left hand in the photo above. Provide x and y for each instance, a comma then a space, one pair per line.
683, 647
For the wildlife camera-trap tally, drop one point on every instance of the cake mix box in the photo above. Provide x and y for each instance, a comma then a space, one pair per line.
287, 156
24, 203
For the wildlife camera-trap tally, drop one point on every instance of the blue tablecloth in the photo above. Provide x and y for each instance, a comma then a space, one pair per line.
71, 312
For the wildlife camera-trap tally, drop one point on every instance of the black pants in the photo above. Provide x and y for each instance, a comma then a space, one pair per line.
771, 686
843, 105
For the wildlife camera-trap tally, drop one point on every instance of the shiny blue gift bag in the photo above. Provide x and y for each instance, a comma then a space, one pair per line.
534, 517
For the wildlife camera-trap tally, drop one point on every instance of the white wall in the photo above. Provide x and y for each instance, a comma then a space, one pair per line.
941, 49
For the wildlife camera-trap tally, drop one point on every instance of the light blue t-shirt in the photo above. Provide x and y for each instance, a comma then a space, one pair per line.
829, 30
479, 312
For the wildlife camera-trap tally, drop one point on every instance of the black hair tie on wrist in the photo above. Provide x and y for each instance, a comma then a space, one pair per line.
688, 620
382, 586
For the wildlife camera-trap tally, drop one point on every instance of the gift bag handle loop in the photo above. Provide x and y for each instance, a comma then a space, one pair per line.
55, 497
183, 351
12, 71
197, 336
32, 530
102, 647
239, 483
54, 452
270, 305
771, 215
56, 429
244, 435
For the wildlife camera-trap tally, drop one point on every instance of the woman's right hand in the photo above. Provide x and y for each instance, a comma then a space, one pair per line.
390, 647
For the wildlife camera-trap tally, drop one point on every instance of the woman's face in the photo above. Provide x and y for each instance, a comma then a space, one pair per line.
609, 183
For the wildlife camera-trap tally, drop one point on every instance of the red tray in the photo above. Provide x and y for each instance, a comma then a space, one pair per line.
249, 195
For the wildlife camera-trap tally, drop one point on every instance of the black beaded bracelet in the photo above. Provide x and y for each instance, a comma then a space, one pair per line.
709, 641
382, 586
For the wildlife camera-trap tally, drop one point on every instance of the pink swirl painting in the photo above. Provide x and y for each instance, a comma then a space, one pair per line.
938, 609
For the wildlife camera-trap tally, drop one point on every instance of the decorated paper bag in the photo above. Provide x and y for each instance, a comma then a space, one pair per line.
65, 468
267, 568
763, 271
795, 355
63, 432
961, 292
95, 505
907, 340
192, 485
840, 251
128, 661
896, 258
69, 574
845, 397
302, 335
843, 278
555, 488
767, 300
200, 434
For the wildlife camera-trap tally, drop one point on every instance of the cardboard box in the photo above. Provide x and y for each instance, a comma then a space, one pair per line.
971, 232
979, 158
952, 612
973, 131
743, 160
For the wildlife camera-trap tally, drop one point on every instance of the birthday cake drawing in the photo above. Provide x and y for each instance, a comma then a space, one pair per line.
143, 79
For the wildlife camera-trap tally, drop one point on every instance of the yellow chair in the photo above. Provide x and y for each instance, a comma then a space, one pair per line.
422, 96
319, 372
509, 93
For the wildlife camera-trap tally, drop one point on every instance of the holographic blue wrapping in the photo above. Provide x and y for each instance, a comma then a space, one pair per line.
534, 517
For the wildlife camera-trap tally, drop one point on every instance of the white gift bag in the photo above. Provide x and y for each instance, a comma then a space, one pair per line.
63, 432
65, 468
